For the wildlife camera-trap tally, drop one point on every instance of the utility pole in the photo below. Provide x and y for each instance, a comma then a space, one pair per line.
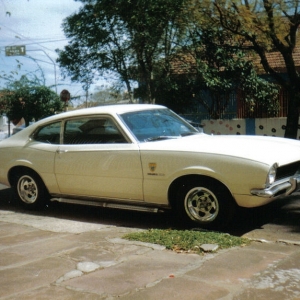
86, 97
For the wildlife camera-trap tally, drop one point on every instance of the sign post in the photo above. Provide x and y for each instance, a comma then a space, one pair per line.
65, 97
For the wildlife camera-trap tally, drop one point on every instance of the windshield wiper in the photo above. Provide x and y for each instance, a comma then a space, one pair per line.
189, 133
161, 137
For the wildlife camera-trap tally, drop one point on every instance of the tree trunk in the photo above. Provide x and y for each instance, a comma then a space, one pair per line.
145, 89
292, 116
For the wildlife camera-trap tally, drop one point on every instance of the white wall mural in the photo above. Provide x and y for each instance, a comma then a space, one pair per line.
264, 127
270, 127
235, 126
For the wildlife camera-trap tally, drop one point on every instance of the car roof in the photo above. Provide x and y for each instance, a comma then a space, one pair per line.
105, 109
116, 108
108, 109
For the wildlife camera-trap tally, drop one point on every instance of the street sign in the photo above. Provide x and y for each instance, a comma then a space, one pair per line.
15, 50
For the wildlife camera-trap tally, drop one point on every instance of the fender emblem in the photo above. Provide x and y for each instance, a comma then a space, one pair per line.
152, 167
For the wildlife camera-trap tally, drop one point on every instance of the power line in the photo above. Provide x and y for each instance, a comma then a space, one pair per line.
38, 44
33, 42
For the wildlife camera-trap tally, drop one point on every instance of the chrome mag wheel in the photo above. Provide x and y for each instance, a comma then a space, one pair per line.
27, 189
201, 204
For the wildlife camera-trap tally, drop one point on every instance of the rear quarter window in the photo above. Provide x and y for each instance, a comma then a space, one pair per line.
48, 134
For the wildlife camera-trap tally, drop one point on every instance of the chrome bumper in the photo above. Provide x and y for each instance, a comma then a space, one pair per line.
282, 187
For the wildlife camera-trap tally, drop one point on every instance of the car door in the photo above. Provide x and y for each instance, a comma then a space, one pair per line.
97, 160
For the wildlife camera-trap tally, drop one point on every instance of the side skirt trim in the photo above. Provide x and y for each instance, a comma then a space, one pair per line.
115, 205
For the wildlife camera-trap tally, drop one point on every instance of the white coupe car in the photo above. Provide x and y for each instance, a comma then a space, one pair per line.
145, 157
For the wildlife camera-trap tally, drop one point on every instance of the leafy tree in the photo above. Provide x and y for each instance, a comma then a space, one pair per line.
25, 99
124, 37
262, 27
138, 40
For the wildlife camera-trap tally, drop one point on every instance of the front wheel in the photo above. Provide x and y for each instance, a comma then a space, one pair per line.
30, 190
206, 203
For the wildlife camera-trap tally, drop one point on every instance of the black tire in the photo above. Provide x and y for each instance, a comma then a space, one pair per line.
204, 203
30, 190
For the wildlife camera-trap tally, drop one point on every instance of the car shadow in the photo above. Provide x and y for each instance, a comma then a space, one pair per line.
285, 212
90, 214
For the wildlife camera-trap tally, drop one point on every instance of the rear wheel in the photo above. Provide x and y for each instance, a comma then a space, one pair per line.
205, 203
30, 190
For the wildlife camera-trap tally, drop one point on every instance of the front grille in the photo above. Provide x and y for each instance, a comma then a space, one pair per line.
287, 170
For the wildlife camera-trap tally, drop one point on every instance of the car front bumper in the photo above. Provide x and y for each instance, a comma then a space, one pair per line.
281, 187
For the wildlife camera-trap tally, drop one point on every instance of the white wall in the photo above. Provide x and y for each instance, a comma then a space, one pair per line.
267, 126
4, 127
235, 126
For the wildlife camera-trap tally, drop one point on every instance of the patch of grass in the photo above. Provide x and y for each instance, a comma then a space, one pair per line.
187, 240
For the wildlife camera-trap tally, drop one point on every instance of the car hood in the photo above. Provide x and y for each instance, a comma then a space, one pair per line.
268, 150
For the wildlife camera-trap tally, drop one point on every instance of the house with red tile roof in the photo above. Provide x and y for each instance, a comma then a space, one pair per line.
185, 64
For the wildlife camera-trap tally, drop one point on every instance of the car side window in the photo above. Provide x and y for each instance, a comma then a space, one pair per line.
48, 134
92, 130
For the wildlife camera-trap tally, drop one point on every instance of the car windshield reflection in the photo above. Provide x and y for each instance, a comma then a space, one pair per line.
157, 124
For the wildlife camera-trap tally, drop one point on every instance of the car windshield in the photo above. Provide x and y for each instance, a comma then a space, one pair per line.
157, 124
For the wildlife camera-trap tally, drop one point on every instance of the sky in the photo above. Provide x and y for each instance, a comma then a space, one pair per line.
37, 25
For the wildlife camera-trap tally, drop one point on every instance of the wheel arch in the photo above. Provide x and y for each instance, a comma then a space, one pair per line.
175, 185
19, 169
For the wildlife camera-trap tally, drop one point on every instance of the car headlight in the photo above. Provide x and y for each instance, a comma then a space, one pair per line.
271, 175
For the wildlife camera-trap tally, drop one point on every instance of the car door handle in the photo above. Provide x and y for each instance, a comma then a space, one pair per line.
61, 151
